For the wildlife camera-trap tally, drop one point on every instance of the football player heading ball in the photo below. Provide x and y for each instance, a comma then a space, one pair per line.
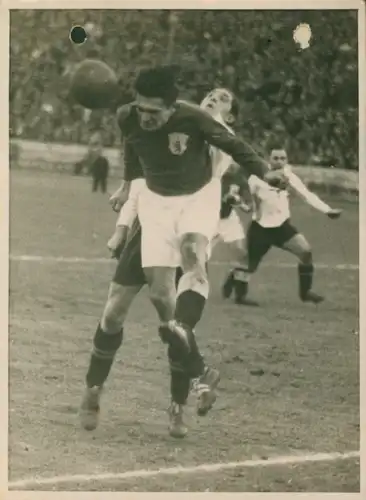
167, 142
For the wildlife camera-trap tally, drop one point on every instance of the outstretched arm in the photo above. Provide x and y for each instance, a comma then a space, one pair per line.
311, 198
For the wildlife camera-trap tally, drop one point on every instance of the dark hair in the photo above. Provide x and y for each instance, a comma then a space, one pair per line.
157, 82
276, 146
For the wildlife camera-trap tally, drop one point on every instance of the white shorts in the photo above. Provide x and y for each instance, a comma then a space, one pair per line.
228, 231
231, 229
165, 219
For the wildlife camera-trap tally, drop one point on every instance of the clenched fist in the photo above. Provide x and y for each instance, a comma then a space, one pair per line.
118, 199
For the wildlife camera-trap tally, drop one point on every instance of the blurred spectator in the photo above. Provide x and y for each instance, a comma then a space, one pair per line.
309, 97
99, 165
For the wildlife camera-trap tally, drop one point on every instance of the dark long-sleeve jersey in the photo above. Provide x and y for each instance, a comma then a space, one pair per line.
175, 159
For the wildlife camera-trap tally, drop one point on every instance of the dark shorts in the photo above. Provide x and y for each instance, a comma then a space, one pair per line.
261, 239
129, 270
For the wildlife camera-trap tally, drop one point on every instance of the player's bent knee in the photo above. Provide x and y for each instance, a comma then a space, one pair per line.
189, 252
306, 256
111, 321
159, 293
193, 251
304, 250
161, 290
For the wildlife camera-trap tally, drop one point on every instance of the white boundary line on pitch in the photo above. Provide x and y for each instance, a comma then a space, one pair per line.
104, 260
172, 471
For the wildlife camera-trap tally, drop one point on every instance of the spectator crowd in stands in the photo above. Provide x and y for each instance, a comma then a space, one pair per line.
307, 98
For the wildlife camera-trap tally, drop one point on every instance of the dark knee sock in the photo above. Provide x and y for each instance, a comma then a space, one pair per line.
190, 304
241, 282
195, 363
189, 308
180, 384
192, 363
105, 347
183, 368
306, 272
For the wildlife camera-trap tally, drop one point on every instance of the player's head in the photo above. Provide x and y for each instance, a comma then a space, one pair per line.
156, 93
222, 102
278, 157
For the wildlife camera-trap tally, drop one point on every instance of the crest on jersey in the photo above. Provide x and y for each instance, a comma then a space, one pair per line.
178, 143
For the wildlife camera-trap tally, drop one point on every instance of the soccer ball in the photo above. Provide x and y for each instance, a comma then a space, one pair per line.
94, 85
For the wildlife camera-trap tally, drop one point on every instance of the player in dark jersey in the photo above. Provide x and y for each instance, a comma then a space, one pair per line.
167, 143
129, 276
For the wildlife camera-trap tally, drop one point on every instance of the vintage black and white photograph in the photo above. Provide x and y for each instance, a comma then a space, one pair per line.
184, 250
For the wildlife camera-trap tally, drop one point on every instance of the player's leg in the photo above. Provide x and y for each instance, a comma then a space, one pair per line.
239, 276
127, 282
258, 243
193, 287
162, 286
192, 294
233, 234
160, 259
162, 291
197, 226
297, 244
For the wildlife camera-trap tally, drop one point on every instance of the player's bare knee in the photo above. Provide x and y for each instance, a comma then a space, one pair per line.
112, 319
161, 290
189, 254
159, 293
193, 251
306, 256
305, 252
117, 306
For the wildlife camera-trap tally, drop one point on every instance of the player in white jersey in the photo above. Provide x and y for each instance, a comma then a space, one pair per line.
271, 225
224, 107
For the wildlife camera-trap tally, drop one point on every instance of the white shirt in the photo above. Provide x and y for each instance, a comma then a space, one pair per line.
220, 160
271, 206
128, 212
